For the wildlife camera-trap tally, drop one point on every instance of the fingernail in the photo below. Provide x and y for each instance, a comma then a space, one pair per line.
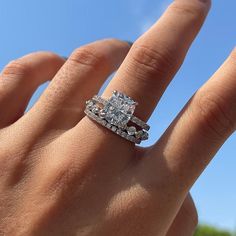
129, 42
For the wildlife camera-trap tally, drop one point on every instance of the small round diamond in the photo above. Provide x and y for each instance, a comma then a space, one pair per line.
144, 136
124, 135
132, 138
90, 104
102, 114
139, 134
104, 122
115, 92
113, 128
108, 125
95, 110
87, 102
131, 130
118, 131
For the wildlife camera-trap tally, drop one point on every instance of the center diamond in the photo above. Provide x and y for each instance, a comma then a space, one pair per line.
119, 109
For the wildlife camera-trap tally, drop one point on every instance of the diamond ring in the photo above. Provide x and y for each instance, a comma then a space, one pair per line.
117, 114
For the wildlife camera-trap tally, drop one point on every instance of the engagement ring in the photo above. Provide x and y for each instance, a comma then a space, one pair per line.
117, 114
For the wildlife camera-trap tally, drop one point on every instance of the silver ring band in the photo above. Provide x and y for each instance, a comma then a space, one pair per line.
116, 114
113, 128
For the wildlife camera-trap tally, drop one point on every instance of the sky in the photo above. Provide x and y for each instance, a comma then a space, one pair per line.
61, 26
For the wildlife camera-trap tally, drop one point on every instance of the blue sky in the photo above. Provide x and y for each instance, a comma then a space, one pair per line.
61, 26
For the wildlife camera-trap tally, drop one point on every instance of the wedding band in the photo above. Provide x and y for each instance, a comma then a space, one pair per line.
117, 114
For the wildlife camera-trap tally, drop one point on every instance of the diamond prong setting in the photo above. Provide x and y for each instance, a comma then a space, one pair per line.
115, 114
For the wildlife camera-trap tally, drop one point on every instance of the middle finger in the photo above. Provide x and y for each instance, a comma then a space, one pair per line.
157, 55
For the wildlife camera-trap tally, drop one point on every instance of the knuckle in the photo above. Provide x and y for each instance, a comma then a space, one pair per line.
63, 174
25, 65
115, 41
51, 57
49, 54
88, 56
11, 167
149, 63
17, 68
215, 115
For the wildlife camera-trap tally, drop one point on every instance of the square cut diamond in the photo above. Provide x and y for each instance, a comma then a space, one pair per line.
119, 109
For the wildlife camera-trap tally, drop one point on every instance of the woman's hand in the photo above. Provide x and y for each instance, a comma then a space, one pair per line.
63, 174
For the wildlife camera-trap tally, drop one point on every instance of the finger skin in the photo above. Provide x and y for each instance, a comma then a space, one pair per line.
157, 55
62, 104
19, 80
186, 220
147, 70
201, 128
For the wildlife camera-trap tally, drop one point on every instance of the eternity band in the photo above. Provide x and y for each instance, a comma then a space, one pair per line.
116, 114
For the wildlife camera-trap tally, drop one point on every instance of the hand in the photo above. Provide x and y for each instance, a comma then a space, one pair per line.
64, 174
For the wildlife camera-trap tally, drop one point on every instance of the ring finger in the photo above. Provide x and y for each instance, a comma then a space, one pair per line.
147, 70
155, 57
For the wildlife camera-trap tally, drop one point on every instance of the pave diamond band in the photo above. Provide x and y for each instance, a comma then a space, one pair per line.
116, 114
114, 129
